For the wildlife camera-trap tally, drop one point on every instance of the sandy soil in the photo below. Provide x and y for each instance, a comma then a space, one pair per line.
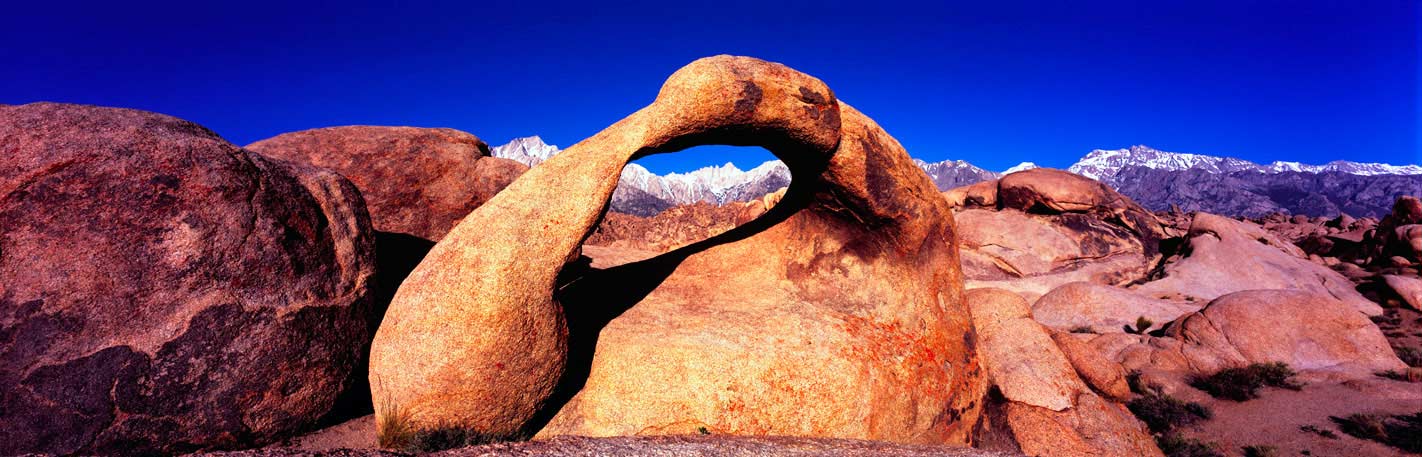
1275, 418
358, 433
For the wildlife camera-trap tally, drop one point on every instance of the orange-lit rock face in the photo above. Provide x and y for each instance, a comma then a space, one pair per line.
837, 313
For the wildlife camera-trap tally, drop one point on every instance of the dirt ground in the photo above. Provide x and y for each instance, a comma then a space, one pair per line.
1275, 418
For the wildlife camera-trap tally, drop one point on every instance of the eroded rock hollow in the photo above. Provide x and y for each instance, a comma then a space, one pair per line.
838, 313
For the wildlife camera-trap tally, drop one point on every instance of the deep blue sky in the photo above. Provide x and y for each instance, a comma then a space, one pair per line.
995, 84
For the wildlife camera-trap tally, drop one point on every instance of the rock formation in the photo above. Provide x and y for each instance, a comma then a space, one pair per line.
1225, 255
838, 313
1035, 230
163, 291
1104, 309
415, 181
1306, 330
1048, 410
1316, 334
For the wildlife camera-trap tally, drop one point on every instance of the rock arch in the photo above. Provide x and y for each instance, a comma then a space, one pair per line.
844, 304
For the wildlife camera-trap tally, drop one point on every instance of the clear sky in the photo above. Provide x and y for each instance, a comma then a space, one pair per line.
991, 82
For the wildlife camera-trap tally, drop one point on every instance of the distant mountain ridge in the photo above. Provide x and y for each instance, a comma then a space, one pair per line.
1226, 185
643, 193
1156, 179
1103, 164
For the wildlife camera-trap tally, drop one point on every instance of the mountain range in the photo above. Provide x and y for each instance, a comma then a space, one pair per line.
1157, 179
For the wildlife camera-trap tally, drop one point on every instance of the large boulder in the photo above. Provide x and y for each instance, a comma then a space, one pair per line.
1316, 334
1035, 230
1225, 256
1048, 410
1104, 309
162, 290
1410, 289
976, 195
1307, 330
416, 181
838, 313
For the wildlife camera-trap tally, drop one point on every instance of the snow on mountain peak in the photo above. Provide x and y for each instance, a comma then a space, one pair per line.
1019, 167
1102, 164
529, 150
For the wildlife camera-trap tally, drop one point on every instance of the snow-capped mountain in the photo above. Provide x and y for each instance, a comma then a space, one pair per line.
1155, 178
527, 150
643, 193
1104, 164
1234, 187
954, 173
1019, 167
718, 185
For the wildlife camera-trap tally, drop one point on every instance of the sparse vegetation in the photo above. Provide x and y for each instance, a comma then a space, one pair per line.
1162, 413
1260, 450
1178, 446
394, 428
1411, 375
1410, 356
447, 437
1142, 325
1133, 379
397, 432
703, 431
1240, 384
1403, 431
1323, 432
1081, 329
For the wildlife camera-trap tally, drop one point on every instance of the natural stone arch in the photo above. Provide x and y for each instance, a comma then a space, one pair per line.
477, 337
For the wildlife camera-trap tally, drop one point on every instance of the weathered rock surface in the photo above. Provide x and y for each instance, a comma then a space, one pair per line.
1224, 256
1021, 359
1104, 309
1105, 376
1410, 289
1315, 334
838, 313
1048, 409
1042, 228
162, 290
1306, 330
416, 181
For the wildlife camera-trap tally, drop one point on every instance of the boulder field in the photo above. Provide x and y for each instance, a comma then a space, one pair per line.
163, 291
838, 313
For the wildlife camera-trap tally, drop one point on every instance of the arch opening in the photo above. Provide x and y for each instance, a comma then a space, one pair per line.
669, 200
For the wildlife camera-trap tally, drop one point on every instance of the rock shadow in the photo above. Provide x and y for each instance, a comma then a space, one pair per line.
591, 298
396, 255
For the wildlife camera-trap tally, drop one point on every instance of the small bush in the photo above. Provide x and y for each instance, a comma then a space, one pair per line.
703, 430
1178, 446
1260, 450
396, 431
1410, 356
1323, 432
1240, 384
1133, 380
1402, 431
1162, 412
1142, 325
447, 437
1410, 375
1081, 329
